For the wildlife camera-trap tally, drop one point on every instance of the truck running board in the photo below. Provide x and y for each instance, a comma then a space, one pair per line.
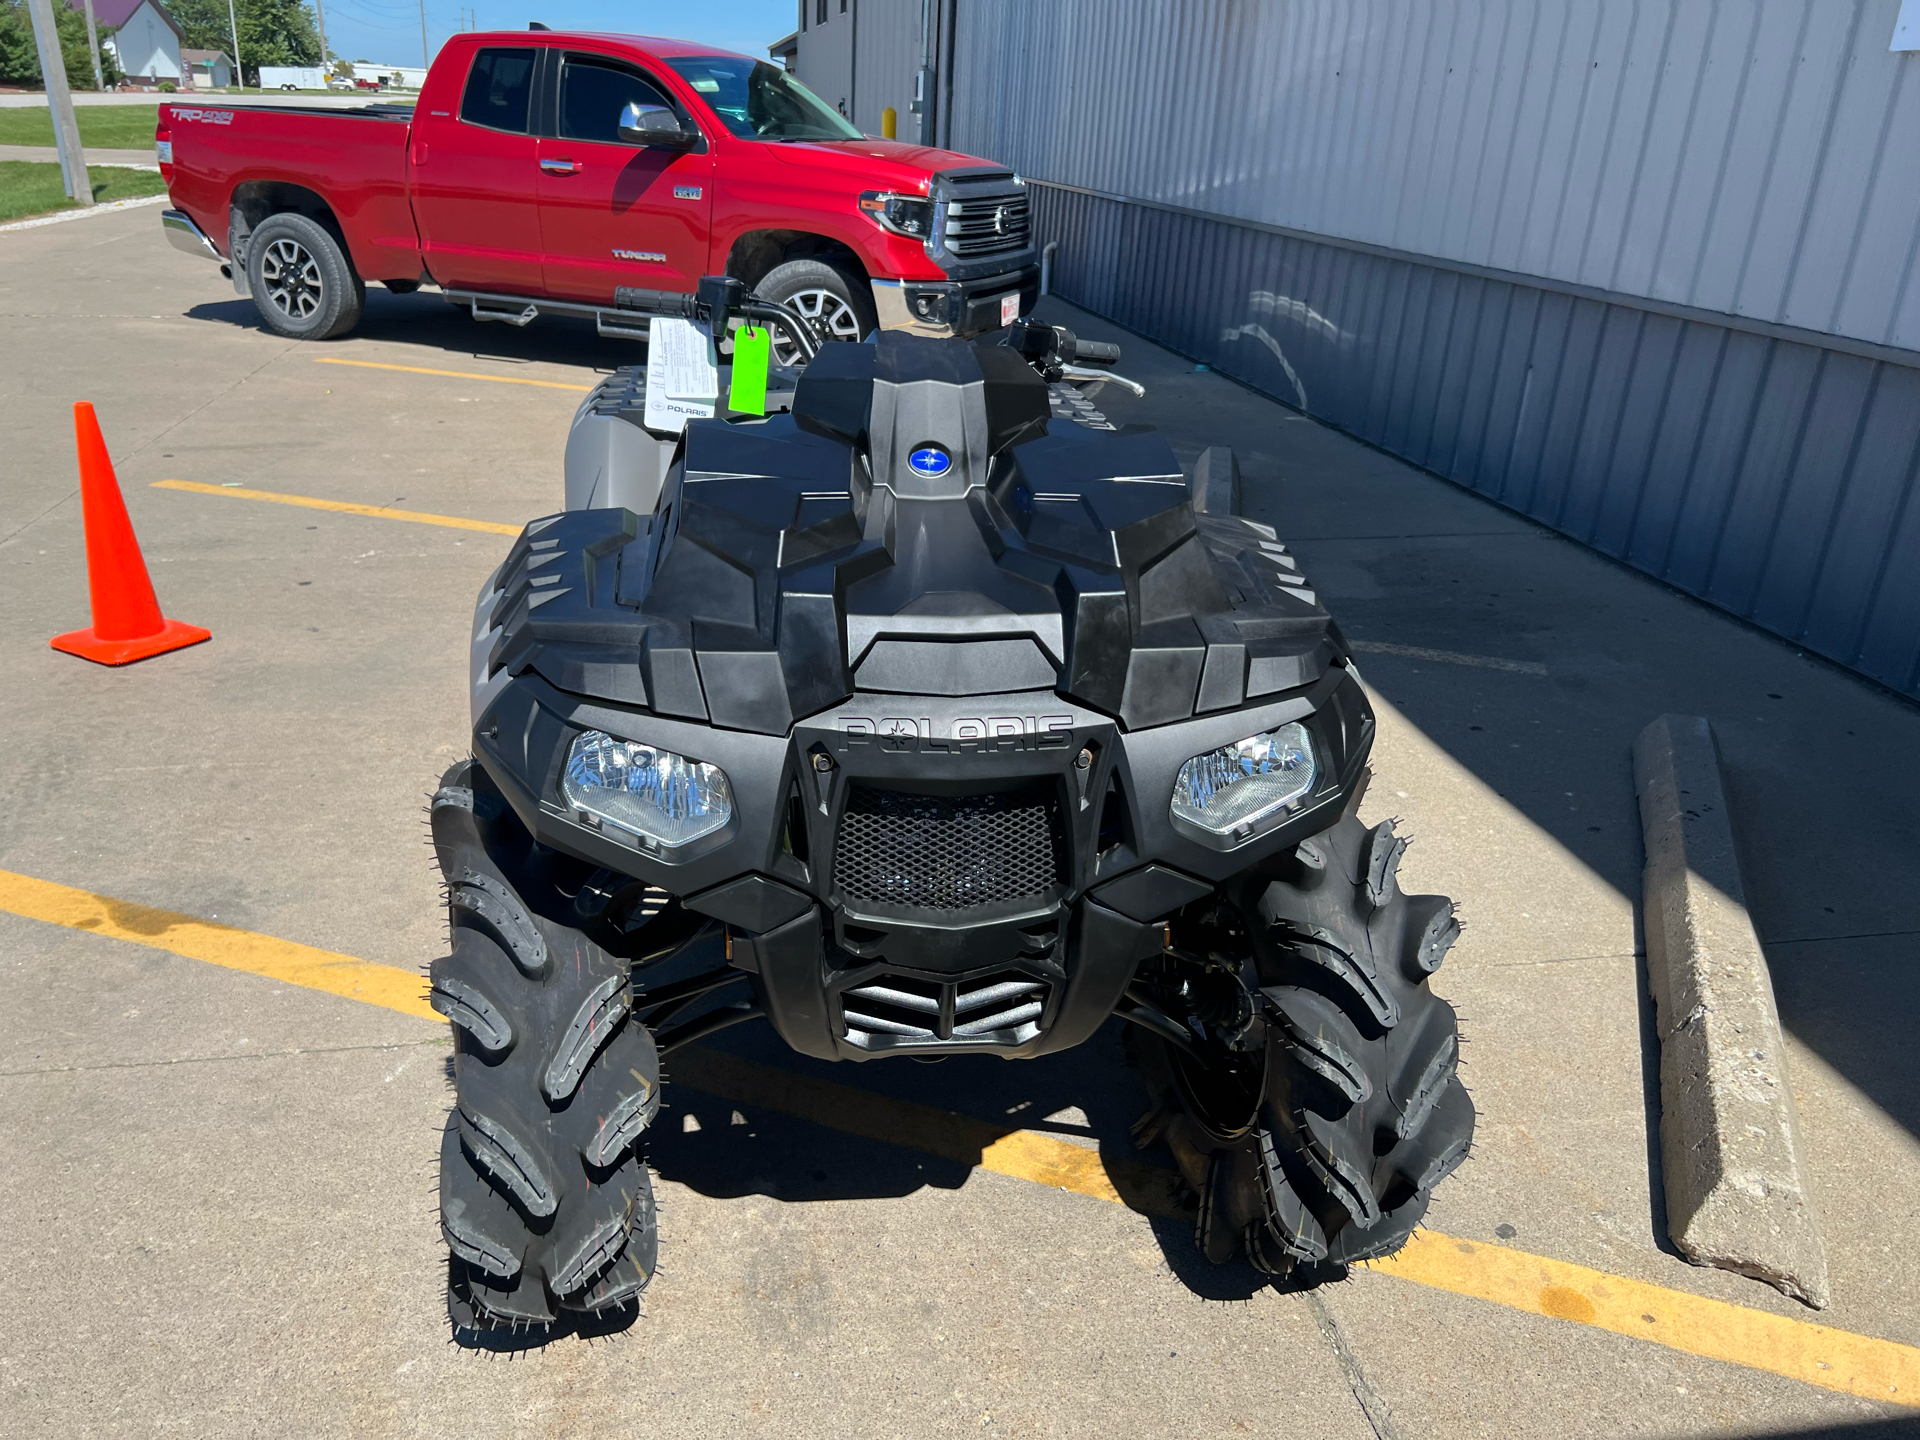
520, 310
486, 310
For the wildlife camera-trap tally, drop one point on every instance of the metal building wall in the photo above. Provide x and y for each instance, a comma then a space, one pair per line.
1643, 272
864, 58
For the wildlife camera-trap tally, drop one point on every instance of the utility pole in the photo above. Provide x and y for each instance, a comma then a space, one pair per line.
321, 11
66, 133
239, 75
425, 59
93, 49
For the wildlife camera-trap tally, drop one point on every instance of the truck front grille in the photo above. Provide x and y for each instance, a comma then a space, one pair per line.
896, 1009
949, 852
987, 225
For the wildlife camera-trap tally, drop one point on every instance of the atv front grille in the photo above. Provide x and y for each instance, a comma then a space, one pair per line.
1002, 1008
948, 852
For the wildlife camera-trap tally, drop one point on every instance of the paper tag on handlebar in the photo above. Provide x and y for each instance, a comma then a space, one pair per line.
752, 354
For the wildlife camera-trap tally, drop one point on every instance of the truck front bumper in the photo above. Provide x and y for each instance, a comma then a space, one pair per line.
954, 307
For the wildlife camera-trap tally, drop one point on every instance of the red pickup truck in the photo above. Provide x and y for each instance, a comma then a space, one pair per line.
551, 172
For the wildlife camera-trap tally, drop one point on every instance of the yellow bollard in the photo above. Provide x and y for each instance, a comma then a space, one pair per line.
889, 122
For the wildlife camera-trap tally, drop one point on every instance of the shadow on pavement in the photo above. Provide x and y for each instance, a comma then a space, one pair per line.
1543, 662
425, 321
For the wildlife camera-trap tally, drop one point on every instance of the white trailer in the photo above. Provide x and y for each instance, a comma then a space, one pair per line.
292, 77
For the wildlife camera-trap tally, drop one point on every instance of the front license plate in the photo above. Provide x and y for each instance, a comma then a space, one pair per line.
1009, 308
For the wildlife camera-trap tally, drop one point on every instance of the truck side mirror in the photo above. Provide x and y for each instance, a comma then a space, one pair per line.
655, 125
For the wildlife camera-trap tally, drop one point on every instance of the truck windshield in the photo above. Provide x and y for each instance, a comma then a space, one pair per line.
758, 101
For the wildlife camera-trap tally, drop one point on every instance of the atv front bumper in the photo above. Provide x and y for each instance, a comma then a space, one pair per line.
978, 874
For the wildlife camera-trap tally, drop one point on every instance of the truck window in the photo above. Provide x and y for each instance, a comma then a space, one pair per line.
593, 92
758, 101
498, 89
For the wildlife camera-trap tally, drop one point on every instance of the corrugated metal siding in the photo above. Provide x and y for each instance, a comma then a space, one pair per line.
1775, 479
1750, 156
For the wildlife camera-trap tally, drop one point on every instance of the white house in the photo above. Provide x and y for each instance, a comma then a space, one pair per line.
211, 70
146, 40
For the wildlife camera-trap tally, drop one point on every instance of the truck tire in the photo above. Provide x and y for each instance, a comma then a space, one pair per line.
1320, 1105
837, 305
302, 282
545, 1203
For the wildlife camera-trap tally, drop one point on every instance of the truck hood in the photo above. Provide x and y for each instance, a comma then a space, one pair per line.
891, 163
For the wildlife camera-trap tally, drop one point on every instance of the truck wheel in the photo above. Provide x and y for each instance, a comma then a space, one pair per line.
302, 282
836, 304
1319, 1104
545, 1204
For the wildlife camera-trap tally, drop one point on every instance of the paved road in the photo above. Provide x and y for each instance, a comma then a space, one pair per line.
218, 1188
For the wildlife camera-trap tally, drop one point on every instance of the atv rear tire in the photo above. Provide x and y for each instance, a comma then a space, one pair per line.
1320, 1105
545, 1203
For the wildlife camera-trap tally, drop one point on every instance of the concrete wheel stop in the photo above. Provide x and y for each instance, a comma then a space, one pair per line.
1736, 1187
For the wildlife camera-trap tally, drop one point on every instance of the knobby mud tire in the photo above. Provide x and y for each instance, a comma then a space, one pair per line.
545, 1202
1351, 1109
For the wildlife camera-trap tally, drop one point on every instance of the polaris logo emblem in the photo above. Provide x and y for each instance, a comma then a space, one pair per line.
969, 732
930, 462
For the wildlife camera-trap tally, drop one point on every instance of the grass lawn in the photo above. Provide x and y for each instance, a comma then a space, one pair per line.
111, 127
28, 187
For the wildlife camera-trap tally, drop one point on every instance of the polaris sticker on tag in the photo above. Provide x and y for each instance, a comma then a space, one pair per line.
683, 383
752, 353
1009, 308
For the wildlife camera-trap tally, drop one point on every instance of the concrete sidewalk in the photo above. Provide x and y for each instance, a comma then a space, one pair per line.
46, 154
220, 1189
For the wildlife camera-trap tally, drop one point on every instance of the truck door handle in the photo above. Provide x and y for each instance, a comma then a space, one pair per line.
559, 167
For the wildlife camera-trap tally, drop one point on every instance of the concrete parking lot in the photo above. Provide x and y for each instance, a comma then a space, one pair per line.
217, 1187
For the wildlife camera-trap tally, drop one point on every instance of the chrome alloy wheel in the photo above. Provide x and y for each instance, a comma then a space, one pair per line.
830, 316
292, 278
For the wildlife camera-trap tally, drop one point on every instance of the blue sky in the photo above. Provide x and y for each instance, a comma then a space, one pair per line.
387, 32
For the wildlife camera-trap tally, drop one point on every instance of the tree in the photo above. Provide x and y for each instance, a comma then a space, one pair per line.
20, 58
272, 32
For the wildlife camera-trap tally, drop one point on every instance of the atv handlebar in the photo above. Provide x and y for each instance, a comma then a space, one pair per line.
1095, 352
716, 299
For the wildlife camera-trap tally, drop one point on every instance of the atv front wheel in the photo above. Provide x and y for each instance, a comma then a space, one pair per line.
1314, 1104
545, 1203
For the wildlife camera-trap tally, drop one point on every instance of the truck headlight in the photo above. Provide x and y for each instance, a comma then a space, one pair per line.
1245, 782
910, 215
655, 794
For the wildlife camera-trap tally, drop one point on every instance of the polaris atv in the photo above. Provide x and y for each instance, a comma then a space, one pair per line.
944, 718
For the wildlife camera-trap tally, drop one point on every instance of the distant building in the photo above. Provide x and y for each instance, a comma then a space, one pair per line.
146, 40
786, 49
210, 69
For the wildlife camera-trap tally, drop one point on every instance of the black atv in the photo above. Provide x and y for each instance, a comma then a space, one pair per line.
945, 718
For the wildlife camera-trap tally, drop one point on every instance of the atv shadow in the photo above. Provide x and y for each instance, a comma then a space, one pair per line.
728, 1128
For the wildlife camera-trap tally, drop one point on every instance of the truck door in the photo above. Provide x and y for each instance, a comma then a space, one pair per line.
613, 213
476, 178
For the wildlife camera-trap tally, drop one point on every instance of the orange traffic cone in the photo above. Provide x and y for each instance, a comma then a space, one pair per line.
127, 623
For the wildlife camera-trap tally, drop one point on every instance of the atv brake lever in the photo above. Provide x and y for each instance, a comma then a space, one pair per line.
1080, 374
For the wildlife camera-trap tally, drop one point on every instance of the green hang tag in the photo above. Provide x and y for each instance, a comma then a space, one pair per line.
752, 354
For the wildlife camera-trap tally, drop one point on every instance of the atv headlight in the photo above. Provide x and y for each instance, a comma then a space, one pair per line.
910, 215
655, 794
1245, 782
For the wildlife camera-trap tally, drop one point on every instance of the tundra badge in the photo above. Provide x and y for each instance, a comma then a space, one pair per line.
656, 256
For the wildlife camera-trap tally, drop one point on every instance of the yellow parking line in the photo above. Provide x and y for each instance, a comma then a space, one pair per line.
344, 507
217, 944
1861, 1365
451, 374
